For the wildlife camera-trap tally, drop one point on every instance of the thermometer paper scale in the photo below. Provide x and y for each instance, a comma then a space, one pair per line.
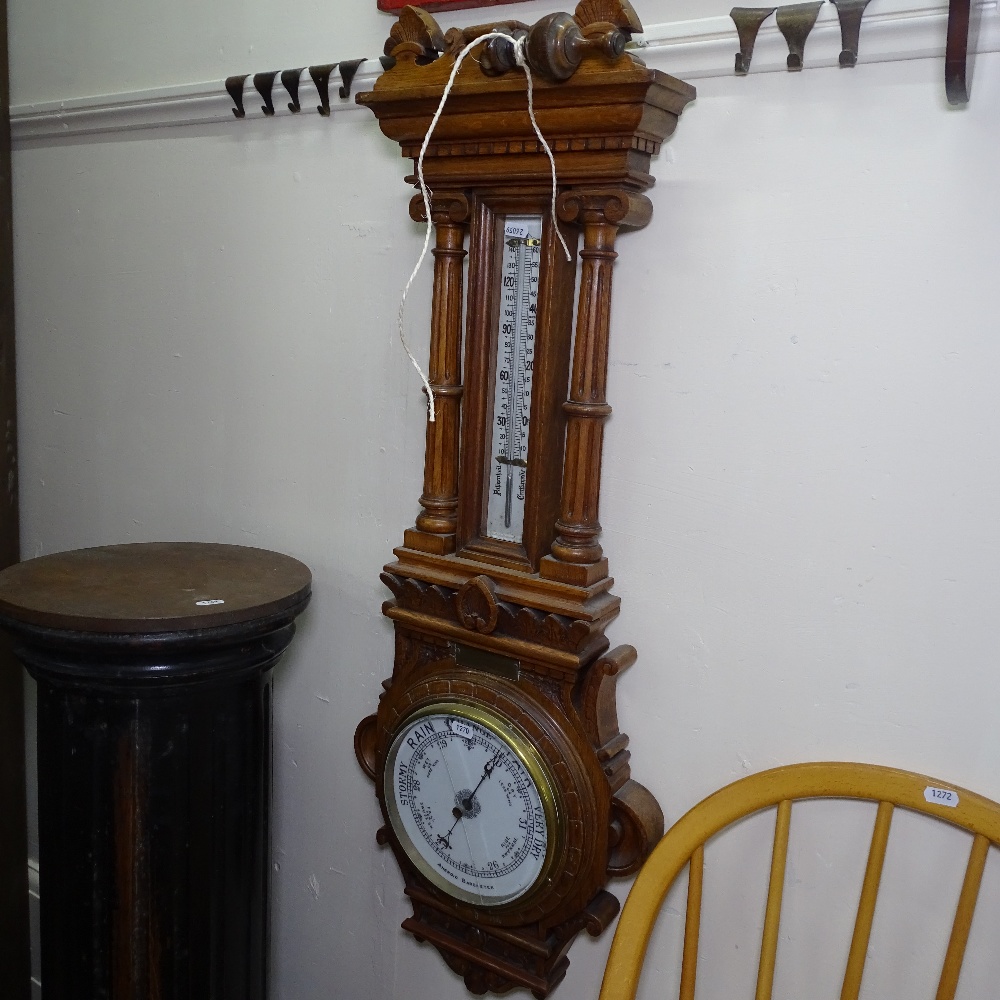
514, 371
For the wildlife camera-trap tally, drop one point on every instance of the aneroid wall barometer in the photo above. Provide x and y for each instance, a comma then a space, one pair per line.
503, 779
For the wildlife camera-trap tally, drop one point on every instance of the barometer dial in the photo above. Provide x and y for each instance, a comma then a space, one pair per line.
471, 803
515, 362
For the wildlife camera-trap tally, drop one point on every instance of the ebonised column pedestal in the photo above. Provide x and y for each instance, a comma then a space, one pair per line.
153, 664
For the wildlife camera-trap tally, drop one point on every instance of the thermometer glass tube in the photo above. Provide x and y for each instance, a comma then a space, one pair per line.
515, 359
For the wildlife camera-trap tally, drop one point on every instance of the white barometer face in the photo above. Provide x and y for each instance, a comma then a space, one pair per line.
471, 804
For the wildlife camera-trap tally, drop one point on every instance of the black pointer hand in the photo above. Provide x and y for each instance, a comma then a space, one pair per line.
487, 771
446, 839
467, 802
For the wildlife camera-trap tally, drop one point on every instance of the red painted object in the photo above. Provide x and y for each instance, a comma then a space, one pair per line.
392, 6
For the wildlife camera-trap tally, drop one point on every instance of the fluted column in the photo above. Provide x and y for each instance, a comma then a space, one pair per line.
435, 525
577, 556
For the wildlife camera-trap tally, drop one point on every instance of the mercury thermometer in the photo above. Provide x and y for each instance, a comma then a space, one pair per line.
515, 361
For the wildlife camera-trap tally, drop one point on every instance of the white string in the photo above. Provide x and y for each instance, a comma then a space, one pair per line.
426, 192
520, 59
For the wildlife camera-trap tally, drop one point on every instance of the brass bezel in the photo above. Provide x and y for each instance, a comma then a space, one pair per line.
519, 743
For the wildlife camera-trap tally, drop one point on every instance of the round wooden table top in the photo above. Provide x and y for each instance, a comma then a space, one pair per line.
152, 587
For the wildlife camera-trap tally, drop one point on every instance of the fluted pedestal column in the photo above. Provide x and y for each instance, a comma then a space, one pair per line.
153, 665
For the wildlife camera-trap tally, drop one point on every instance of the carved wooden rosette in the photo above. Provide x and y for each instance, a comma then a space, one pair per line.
521, 628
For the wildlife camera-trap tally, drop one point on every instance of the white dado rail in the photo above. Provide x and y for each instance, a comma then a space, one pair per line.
692, 50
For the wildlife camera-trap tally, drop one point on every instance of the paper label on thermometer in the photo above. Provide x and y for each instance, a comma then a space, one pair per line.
941, 796
517, 228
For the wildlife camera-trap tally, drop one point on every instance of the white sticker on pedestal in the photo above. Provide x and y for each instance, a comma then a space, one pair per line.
205, 604
941, 796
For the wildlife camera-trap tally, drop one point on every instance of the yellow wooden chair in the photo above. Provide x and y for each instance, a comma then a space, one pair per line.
685, 842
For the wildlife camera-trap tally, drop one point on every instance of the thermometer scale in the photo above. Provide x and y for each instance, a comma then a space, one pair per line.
514, 372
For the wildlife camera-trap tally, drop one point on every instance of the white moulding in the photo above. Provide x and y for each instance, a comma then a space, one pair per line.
707, 47
185, 104
695, 49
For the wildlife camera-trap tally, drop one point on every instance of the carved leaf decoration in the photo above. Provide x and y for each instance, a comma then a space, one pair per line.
416, 26
557, 631
520, 959
551, 630
480, 980
414, 595
438, 601
616, 12
554, 629
553, 690
527, 622
412, 654
579, 633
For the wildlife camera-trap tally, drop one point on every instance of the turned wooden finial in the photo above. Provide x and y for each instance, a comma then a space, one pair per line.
618, 13
457, 38
415, 32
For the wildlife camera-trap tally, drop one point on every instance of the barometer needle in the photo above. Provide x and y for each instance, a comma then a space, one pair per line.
487, 771
446, 839
467, 801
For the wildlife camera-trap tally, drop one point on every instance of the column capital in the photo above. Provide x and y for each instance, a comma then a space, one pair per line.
446, 207
605, 206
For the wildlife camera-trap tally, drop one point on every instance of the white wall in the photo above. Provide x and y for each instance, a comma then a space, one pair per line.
800, 480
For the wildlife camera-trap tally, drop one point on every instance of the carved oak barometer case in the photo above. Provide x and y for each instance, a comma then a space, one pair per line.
497, 760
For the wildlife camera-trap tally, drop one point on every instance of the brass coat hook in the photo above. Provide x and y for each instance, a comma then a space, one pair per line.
290, 81
234, 84
748, 21
264, 82
347, 70
850, 13
321, 77
956, 55
795, 22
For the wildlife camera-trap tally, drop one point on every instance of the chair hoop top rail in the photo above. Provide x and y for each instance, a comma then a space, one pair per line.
756, 792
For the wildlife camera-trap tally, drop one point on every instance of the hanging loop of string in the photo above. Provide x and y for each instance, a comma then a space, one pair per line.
522, 61
426, 193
